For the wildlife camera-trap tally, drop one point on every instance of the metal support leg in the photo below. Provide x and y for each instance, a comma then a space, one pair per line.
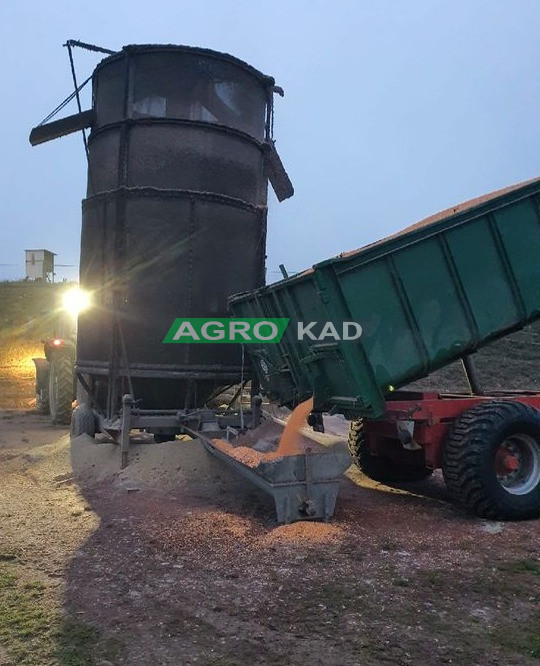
471, 372
127, 404
84, 391
256, 404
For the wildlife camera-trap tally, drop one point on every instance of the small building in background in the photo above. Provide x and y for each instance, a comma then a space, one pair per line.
40, 265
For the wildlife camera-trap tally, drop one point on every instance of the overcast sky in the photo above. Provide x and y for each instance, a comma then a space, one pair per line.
393, 109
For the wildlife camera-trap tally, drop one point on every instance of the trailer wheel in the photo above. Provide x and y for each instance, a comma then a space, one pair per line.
61, 389
82, 422
160, 438
379, 468
491, 460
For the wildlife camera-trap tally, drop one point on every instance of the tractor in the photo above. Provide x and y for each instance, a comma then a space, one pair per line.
55, 374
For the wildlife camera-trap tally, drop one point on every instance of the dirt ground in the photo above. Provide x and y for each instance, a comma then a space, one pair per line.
176, 561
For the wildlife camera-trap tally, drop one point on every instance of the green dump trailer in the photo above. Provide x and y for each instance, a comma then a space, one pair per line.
425, 297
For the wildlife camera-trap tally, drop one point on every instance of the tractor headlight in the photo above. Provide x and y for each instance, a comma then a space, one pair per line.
76, 301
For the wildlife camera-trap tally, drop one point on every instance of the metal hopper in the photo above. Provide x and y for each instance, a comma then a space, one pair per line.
303, 486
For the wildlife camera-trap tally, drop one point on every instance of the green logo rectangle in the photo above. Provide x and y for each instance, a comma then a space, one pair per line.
226, 331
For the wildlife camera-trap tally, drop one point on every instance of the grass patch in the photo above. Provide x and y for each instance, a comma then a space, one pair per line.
520, 566
435, 579
24, 623
523, 638
480, 584
28, 310
34, 635
335, 596
6, 579
78, 644
401, 582
7, 557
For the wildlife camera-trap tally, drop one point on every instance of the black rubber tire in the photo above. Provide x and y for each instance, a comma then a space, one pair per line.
42, 404
160, 438
83, 422
469, 459
42, 385
61, 389
380, 468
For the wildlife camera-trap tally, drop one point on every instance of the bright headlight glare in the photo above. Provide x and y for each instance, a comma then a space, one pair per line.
76, 301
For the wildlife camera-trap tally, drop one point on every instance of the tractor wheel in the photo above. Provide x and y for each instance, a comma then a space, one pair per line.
42, 402
42, 385
61, 389
491, 460
380, 468
82, 422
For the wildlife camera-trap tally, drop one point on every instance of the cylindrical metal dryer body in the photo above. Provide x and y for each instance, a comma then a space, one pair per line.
175, 218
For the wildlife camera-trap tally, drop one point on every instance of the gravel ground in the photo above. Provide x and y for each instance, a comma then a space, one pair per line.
176, 561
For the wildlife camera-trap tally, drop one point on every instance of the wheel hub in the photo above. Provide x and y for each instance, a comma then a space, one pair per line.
517, 464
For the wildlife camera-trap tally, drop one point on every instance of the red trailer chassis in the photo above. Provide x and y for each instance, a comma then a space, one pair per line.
423, 419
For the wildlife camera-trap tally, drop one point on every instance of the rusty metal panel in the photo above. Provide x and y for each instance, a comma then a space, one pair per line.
176, 155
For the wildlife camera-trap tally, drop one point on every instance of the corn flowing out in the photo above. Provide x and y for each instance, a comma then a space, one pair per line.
289, 444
